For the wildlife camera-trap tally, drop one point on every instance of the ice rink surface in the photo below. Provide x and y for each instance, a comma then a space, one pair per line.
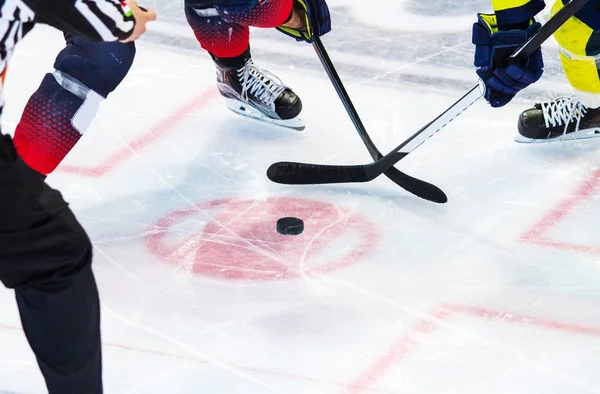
497, 291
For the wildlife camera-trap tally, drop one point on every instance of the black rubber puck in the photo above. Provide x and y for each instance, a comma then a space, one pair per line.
290, 226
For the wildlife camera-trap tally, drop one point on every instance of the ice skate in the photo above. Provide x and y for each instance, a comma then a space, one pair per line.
564, 118
256, 93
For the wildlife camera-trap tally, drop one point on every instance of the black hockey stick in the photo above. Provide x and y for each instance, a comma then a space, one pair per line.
302, 173
413, 185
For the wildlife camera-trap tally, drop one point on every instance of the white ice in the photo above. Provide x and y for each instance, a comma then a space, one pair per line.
497, 291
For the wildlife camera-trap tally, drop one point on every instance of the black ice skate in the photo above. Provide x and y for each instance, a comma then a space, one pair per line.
564, 118
254, 92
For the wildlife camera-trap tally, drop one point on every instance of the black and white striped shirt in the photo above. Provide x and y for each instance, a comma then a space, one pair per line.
95, 20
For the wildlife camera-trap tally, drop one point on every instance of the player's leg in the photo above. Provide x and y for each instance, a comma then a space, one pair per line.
577, 115
46, 256
257, 13
222, 30
67, 100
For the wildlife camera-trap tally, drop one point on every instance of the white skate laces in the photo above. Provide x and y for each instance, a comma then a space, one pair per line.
563, 110
265, 86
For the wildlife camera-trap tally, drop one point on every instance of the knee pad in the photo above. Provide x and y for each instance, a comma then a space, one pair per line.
257, 13
220, 3
54, 119
235, 10
100, 66
215, 35
200, 4
201, 12
235, 3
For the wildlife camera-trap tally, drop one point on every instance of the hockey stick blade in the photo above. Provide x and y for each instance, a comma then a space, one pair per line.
291, 173
294, 173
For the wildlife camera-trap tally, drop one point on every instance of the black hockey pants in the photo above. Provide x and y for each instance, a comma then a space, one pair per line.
46, 256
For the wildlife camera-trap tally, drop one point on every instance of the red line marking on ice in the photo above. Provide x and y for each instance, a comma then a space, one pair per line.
399, 349
10, 327
544, 241
395, 353
203, 361
558, 213
244, 368
163, 127
523, 319
427, 326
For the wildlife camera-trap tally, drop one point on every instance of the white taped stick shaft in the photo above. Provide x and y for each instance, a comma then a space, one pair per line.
442, 120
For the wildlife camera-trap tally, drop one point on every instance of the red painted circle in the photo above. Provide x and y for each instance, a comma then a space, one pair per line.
240, 242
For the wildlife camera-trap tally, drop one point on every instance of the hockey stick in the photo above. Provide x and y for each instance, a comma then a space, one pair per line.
415, 186
302, 173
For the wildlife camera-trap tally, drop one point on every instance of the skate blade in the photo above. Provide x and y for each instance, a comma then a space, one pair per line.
576, 136
246, 110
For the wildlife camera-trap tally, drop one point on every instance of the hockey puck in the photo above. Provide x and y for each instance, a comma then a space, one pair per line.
290, 226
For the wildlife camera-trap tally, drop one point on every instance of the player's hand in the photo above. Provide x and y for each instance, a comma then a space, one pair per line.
309, 19
142, 17
298, 20
493, 47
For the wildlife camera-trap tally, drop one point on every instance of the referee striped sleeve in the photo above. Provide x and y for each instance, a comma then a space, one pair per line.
110, 18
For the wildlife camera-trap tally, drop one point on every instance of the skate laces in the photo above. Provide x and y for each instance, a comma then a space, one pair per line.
563, 110
265, 86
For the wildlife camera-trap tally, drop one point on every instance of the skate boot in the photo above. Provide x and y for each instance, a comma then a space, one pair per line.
564, 118
256, 93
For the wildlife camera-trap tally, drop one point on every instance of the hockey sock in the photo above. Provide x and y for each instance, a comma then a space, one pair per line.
255, 13
54, 119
